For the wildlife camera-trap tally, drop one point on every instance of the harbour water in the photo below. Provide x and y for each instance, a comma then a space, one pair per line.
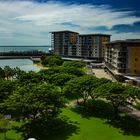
23, 64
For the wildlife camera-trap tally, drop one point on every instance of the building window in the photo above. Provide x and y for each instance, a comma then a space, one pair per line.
136, 59
135, 71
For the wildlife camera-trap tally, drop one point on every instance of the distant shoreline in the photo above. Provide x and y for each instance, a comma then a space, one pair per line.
27, 46
40, 66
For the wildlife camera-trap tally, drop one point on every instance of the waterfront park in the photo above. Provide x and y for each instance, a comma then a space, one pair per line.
63, 102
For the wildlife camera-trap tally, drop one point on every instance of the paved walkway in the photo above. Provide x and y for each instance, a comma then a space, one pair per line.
100, 73
134, 113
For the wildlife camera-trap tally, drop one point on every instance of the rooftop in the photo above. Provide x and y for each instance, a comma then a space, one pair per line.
97, 34
136, 41
64, 31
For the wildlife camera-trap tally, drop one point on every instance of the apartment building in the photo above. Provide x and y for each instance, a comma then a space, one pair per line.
123, 57
69, 43
93, 45
64, 42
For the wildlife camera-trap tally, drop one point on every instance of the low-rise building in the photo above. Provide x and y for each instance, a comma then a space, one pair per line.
123, 57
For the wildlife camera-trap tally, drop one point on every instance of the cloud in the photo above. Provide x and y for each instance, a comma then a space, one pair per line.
25, 21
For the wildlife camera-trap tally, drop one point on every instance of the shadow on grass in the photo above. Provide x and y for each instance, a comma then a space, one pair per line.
58, 129
95, 108
103, 110
126, 124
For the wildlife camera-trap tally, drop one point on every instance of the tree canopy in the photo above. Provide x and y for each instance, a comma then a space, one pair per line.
76, 64
53, 60
35, 101
115, 93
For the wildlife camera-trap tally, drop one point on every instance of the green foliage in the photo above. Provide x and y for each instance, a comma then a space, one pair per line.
71, 70
9, 72
4, 124
6, 89
67, 70
96, 108
60, 79
35, 101
53, 60
115, 93
76, 64
80, 87
83, 87
133, 92
30, 77
137, 105
2, 73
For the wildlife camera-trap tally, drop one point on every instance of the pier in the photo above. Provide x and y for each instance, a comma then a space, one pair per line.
33, 55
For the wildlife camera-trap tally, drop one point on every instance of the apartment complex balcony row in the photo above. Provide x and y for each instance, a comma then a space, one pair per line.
123, 58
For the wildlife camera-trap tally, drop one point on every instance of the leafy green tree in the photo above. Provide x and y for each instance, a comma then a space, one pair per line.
35, 102
2, 74
30, 77
18, 72
95, 83
72, 70
76, 64
115, 93
60, 79
134, 93
80, 87
67, 70
9, 72
6, 89
53, 60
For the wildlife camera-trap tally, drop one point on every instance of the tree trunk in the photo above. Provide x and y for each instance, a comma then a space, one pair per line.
84, 102
78, 102
92, 97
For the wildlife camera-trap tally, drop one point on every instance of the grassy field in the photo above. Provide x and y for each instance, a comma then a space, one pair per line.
75, 127
96, 129
10, 134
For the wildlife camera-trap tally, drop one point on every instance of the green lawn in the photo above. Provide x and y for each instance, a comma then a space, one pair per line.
96, 129
10, 134
76, 127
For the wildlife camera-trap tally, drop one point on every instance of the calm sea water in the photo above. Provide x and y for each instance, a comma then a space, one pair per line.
23, 48
23, 64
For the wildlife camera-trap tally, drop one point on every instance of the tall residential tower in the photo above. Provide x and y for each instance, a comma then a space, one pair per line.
65, 42
93, 45
71, 44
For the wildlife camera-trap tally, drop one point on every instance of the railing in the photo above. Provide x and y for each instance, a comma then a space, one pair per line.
20, 53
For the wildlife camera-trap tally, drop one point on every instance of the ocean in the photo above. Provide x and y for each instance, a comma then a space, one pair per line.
23, 64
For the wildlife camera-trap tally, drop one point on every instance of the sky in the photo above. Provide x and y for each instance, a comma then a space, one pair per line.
29, 22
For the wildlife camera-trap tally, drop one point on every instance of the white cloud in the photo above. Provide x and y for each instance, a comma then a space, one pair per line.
123, 35
27, 22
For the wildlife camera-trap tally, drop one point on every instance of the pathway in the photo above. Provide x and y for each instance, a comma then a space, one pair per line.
134, 113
